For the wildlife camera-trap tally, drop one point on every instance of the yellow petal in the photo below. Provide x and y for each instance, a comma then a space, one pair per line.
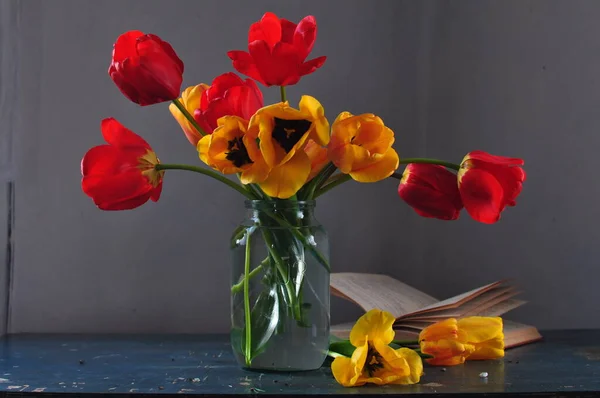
490, 349
286, 179
190, 98
316, 113
415, 363
256, 173
348, 371
381, 167
318, 158
446, 352
375, 325
445, 329
203, 147
478, 329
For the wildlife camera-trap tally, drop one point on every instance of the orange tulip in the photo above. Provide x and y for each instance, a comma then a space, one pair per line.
452, 342
362, 147
228, 151
318, 158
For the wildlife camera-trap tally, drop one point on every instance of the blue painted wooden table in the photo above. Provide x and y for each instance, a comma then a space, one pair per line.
565, 363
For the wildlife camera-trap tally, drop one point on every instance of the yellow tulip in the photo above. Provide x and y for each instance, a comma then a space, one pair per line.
282, 133
229, 151
190, 98
451, 342
362, 147
373, 360
318, 158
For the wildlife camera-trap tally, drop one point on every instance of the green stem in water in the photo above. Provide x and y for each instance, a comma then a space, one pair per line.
240, 285
207, 172
283, 93
188, 116
247, 320
298, 235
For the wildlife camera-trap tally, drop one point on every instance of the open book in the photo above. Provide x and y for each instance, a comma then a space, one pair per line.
415, 310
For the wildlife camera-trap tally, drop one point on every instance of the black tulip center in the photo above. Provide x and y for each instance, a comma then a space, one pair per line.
374, 361
288, 132
237, 152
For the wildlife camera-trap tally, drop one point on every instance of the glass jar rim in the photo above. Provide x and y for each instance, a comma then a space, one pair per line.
280, 204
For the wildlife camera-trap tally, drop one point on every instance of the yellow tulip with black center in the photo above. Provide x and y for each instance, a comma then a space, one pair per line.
282, 132
373, 360
361, 146
228, 151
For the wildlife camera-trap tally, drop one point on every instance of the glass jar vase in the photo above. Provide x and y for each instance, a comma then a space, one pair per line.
280, 287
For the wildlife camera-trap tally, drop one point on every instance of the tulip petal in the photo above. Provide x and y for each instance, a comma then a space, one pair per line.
500, 160
156, 192
220, 85
287, 30
101, 160
190, 98
320, 132
119, 136
287, 179
478, 329
128, 204
482, 195
279, 66
318, 158
268, 29
375, 325
244, 63
446, 329
490, 349
445, 352
429, 203
309, 67
383, 167
305, 35
118, 188
348, 371
125, 45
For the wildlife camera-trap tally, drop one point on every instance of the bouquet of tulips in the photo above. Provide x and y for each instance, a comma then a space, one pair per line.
282, 154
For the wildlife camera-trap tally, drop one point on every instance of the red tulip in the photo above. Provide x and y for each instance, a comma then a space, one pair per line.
277, 51
145, 68
228, 95
488, 184
121, 175
431, 190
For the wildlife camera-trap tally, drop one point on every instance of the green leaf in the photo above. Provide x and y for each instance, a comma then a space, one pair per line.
264, 321
342, 347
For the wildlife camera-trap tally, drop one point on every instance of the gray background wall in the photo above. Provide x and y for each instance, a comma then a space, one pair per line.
516, 78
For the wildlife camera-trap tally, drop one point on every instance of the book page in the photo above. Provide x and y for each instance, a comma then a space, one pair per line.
502, 308
479, 303
371, 291
458, 300
517, 334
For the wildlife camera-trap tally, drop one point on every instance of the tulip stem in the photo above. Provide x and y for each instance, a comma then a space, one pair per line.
283, 93
240, 286
207, 172
332, 185
449, 165
247, 320
188, 116
340, 180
